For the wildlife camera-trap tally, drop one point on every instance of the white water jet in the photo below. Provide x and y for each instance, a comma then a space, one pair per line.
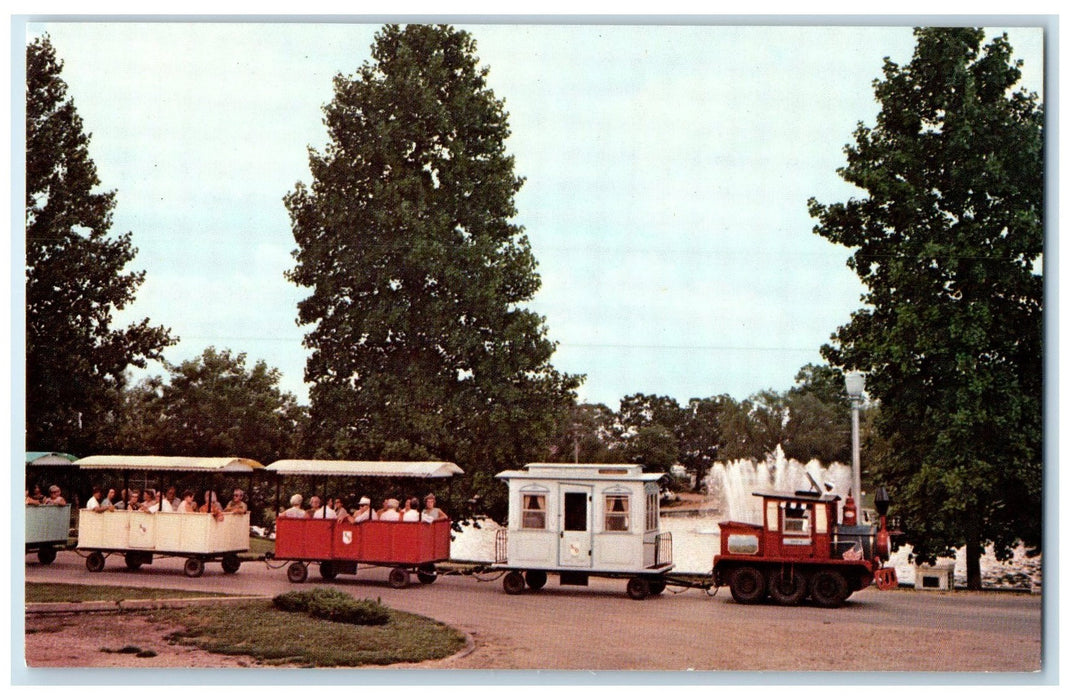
733, 484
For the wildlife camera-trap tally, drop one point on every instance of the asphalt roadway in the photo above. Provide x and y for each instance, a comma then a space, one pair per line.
599, 628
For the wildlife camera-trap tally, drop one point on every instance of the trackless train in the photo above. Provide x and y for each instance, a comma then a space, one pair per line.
574, 521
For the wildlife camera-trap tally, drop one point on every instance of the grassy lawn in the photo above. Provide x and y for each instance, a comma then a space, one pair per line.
272, 636
76, 593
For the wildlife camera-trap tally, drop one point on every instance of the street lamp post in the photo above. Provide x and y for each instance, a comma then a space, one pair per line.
856, 384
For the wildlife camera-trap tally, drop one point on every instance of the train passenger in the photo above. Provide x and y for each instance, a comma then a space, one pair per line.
295, 510
389, 511
37, 495
30, 500
149, 502
187, 504
211, 505
97, 502
133, 498
169, 502
363, 512
411, 512
321, 510
432, 513
110, 499
237, 505
55, 497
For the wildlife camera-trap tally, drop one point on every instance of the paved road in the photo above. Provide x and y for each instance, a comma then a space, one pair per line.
599, 627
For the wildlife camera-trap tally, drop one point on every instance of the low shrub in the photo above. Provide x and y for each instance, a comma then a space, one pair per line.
334, 605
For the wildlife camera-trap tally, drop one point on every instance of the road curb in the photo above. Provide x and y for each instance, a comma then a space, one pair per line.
111, 606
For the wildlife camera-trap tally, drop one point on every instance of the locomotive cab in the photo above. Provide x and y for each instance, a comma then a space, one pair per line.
801, 550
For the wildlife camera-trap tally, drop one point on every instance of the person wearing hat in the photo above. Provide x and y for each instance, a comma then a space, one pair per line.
363, 512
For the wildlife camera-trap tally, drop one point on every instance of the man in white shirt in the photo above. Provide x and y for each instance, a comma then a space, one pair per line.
321, 511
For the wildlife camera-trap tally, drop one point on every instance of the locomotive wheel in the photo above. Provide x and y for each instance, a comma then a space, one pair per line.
95, 562
747, 585
231, 563
535, 579
638, 588
657, 586
829, 588
787, 587
399, 577
193, 567
46, 555
513, 583
134, 560
297, 572
327, 571
427, 574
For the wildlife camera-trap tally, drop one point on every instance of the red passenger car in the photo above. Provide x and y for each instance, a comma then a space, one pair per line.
339, 546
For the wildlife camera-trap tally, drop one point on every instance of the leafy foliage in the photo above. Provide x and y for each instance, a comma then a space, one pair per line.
213, 405
949, 242
420, 346
76, 277
334, 605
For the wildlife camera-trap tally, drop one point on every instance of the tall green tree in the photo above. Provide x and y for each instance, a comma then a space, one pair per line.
214, 405
949, 241
76, 278
420, 344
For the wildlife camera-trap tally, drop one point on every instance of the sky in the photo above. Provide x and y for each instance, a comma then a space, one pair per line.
667, 175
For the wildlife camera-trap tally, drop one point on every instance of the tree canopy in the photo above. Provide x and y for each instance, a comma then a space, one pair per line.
949, 242
420, 344
76, 277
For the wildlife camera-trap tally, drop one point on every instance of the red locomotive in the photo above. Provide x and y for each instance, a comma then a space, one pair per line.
804, 551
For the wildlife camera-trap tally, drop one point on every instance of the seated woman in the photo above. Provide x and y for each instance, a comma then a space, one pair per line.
432, 513
55, 497
187, 504
211, 505
295, 510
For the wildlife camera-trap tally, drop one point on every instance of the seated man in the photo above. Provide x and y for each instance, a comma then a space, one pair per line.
363, 512
389, 512
237, 505
55, 497
321, 511
97, 503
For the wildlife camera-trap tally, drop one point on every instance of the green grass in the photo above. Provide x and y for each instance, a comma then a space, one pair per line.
273, 636
76, 593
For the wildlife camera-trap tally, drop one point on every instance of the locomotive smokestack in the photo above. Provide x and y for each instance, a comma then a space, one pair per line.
881, 501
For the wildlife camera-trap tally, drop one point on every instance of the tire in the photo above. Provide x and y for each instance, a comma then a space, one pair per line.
46, 555
231, 563
133, 560
828, 588
747, 585
657, 586
95, 562
638, 588
535, 579
193, 567
327, 571
399, 577
427, 574
297, 572
787, 587
513, 583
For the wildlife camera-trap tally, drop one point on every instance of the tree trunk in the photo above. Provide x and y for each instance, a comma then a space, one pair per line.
974, 550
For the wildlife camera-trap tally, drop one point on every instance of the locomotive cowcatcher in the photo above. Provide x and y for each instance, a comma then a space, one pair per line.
803, 551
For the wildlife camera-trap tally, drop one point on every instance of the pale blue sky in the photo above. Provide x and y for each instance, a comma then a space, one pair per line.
667, 171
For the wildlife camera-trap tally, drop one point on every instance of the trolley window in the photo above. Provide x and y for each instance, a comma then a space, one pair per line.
652, 511
617, 513
533, 511
797, 520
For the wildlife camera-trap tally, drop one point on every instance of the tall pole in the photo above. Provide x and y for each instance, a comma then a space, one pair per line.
856, 452
856, 384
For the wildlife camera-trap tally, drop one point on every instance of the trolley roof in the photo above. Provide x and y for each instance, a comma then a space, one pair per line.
593, 472
327, 467
49, 458
154, 463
